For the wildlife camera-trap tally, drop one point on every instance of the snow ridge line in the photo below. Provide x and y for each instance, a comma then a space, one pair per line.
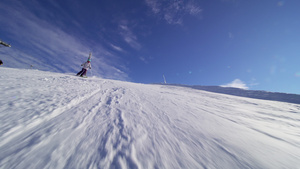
23, 129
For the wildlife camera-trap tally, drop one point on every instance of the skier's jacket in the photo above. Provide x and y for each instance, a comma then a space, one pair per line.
86, 65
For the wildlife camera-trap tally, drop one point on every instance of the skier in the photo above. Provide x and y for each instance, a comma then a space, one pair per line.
1, 63
86, 66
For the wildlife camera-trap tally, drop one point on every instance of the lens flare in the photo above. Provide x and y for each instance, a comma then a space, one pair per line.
297, 74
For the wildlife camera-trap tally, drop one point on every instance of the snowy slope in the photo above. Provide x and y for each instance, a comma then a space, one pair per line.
51, 120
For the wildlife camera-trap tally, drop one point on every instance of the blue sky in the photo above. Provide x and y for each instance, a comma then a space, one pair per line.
248, 44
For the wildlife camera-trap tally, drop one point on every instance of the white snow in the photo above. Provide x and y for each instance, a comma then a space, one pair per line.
52, 120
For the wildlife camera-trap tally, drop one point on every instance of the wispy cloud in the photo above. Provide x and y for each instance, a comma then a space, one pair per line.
55, 48
128, 35
237, 83
154, 5
193, 9
173, 11
253, 82
117, 48
145, 59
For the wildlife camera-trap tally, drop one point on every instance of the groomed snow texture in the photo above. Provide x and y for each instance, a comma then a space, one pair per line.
56, 121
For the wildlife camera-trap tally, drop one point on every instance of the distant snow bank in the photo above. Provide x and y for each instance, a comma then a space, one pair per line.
256, 94
52, 120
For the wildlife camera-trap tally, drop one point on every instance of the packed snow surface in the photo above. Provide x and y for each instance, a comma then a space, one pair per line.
51, 120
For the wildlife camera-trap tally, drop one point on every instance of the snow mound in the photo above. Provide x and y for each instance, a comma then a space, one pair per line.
51, 120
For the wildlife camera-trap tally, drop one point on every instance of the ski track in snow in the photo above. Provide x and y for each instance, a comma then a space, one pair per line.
51, 120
